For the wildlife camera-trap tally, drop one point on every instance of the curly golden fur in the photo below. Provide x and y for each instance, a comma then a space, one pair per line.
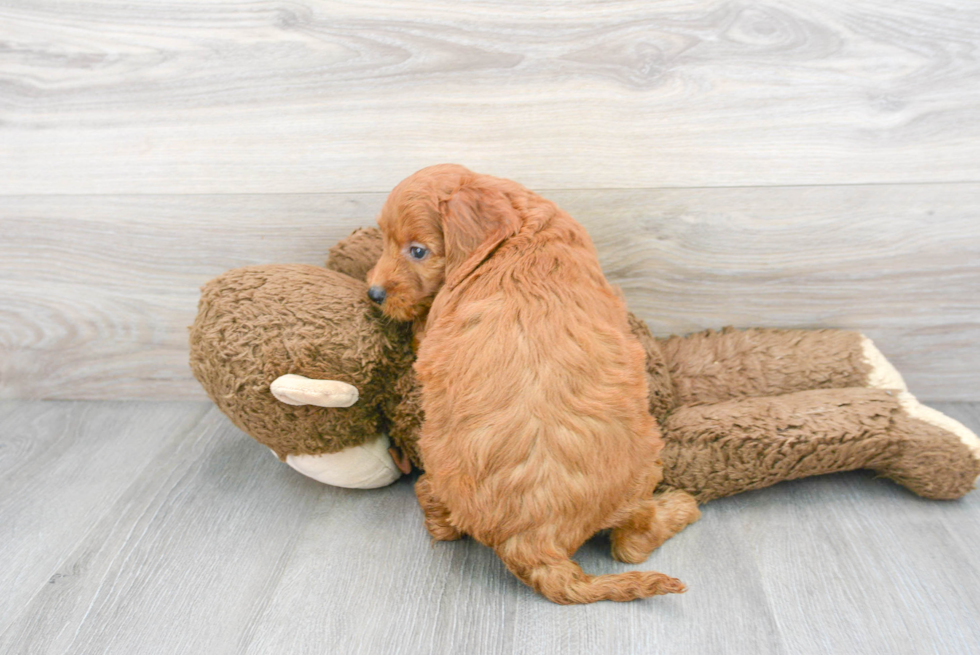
537, 432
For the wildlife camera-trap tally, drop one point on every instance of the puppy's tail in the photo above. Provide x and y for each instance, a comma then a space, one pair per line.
562, 581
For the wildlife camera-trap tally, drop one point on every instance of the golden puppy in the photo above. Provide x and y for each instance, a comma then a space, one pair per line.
537, 433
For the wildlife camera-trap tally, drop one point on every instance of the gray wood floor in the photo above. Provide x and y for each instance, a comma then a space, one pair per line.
802, 163
138, 527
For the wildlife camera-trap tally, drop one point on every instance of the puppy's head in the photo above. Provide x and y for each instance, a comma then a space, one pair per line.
438, 226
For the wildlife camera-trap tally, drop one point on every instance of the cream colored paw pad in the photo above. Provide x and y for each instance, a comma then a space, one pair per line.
882, 375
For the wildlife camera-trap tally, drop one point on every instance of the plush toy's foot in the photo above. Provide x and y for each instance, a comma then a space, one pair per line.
883, 375
934, 417
941, 459
367, 466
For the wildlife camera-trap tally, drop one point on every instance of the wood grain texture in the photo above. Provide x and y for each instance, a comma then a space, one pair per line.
96, 292
315, 96
147, 147
215, 546
182, 562
62, 468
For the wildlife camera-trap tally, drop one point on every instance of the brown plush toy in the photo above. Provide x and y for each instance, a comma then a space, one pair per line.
299, 358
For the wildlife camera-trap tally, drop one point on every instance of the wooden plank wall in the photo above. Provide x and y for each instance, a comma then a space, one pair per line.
793, 164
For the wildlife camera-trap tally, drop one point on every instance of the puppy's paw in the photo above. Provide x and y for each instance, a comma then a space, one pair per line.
441, 530
676, 509
631, 549
435, 512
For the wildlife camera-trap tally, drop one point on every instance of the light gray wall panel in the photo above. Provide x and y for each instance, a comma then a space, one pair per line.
97, 291
314, 96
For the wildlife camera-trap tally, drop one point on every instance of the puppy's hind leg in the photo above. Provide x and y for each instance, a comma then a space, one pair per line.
436, 513
652, 523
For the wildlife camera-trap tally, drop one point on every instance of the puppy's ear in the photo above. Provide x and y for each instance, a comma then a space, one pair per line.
475, 220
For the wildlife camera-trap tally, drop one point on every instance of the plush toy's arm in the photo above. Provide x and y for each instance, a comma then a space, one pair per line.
366, 466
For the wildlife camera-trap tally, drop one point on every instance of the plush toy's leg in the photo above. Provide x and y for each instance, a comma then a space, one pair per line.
725, 448
436, 514
654, 522
710, 367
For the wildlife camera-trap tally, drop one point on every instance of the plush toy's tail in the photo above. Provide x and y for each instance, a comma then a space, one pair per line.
562, 581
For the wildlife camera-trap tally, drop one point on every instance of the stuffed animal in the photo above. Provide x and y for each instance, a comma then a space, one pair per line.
299, 358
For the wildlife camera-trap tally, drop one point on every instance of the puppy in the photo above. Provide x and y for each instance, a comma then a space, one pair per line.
537, 433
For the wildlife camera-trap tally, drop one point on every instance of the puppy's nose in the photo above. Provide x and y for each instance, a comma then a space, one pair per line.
377, 294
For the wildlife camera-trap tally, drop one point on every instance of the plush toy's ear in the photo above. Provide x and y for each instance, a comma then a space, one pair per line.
475, 220
357, 254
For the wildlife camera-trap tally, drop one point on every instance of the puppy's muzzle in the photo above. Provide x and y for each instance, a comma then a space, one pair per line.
377, 294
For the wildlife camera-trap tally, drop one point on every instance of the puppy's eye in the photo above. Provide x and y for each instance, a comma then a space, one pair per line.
417, 252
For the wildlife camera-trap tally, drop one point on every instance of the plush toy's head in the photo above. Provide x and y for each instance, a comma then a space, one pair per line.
257, 323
